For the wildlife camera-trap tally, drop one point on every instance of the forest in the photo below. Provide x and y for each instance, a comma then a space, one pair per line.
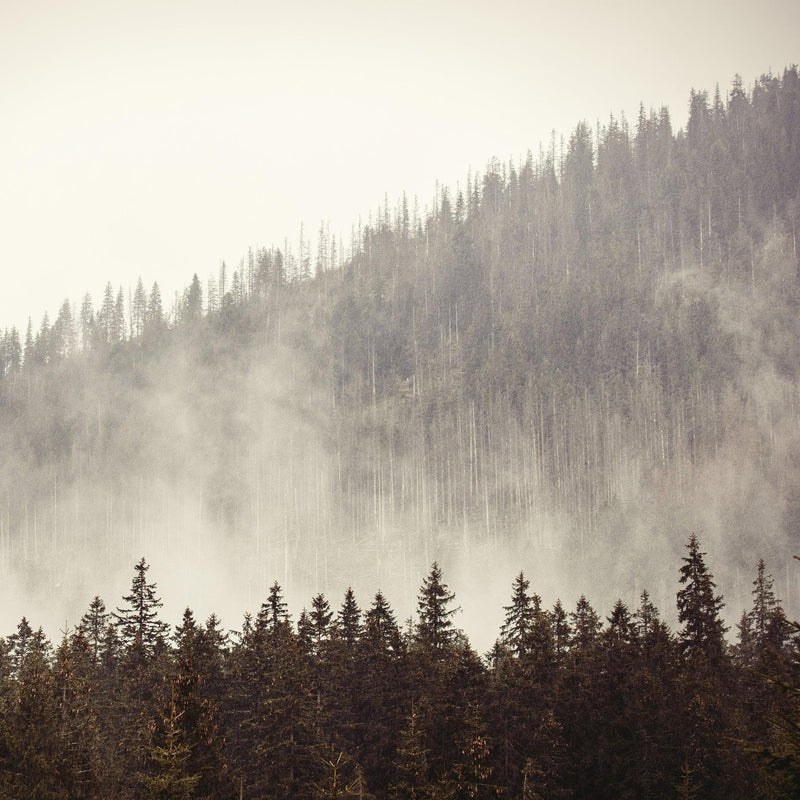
590, 352
348, 703
566, 364
596, 346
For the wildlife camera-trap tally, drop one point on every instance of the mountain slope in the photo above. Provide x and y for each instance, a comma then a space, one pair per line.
571, 363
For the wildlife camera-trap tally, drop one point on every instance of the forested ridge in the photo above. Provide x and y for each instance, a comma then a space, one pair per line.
349, 703
567, 363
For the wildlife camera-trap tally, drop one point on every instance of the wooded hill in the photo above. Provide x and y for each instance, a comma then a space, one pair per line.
578, 358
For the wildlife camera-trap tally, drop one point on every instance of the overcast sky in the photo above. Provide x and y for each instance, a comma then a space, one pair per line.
156, 139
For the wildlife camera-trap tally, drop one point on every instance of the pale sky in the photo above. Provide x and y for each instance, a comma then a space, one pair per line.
156, 139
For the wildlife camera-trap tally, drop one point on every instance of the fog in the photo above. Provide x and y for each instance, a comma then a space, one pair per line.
230, 474
159, 142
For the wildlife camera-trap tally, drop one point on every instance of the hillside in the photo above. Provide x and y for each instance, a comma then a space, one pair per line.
568, 363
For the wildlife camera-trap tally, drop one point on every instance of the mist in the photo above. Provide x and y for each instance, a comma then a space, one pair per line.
566, 366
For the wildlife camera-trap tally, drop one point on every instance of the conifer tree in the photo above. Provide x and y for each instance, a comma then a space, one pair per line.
472, 776
168, 776
519, 617
87, 323
273, 616
412, 762
766, 618
434, 629
154, 317
193, 302
562, 633
140, 630
106, 317
348, 620
381, 631
13, 351
29, 719
383, 673
320, 621
119, 317
585, 624
93, 624
138, 309
83, 767
702, 636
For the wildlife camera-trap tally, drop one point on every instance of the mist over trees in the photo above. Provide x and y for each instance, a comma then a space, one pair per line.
581, 356
345, 703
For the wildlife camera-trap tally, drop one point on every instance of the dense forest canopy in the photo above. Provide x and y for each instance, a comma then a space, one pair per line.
346, 703
567, 362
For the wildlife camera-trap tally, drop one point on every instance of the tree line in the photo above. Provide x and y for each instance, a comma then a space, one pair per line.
348, 702
563, 338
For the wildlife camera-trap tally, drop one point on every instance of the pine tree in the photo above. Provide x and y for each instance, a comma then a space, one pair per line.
273, 616
702, 637
93, 624
29, 719
519, 617
320, 621
434, 629
412, 762
381, 631
193, 302
83, 769
585, 624
382, 671
88, 323
13, 351
138, 309
472, 776
119, 317
106, 323
348, 620
154, 317
168, 777
342, 777
140, 630
28, 351
562, 633
197, 688
767, 619
706, 681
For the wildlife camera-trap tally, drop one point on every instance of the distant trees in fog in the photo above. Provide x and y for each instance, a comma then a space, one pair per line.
551, 344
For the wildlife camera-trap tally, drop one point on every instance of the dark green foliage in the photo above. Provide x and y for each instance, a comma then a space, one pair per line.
348, 620
168, 777
560, 330
141, 632
434, 631
519, 618
412, 762
624, 711
702, 637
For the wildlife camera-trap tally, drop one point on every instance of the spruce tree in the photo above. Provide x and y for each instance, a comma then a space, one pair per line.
766, 618
93, 624
348, 620
412, 762
168, 773
273, 616
320, 621
141, 632
702, 636
519, 617
434, 629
